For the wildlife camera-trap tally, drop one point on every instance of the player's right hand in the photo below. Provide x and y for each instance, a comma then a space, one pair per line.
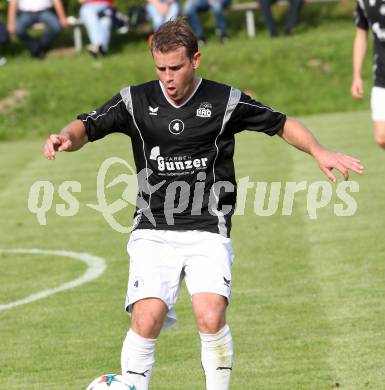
56, 143
357, 88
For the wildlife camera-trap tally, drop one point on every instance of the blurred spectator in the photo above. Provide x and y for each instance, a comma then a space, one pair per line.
22, 14
4, 36
218, 7
292, 16
136, 16
160, 11
4, 39
97, 16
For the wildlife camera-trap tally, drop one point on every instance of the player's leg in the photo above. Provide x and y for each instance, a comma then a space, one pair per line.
153, 287
147, 317
209, 311
378, 115
138, 351
379, 133
216, 340
208, 279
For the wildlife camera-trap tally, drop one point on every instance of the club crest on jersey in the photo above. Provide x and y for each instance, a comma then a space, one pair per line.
176, 126
152, 110
204, 110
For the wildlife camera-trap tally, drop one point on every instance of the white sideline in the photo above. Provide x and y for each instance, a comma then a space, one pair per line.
95, 268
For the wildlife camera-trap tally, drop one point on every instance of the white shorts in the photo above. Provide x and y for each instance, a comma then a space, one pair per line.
160, 259
378, 104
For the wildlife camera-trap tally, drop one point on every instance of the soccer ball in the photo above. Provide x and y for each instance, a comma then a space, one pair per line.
110, 382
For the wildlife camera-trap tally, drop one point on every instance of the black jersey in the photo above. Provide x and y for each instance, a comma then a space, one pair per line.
371, 14
183, 154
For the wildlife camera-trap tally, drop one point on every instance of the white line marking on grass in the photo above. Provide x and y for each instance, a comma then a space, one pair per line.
95, 268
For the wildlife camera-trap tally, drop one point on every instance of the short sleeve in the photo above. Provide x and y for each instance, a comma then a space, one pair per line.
255, 116
111, 117
360, 18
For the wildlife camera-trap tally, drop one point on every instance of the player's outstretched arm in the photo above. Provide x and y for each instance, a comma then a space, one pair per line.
71, 138
359, 51
296, 134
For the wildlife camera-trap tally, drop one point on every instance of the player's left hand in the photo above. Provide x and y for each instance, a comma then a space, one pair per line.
329, 160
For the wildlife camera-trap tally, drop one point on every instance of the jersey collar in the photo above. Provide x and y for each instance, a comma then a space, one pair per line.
187, 100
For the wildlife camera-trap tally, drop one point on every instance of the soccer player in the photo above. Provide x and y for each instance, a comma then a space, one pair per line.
371, 14
182, 130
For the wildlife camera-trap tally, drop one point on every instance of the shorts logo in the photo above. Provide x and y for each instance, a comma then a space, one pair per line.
227, 282
137, 284
176, 126
204, 110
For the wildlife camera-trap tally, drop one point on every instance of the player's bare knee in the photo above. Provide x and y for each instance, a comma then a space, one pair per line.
379, 133
380, 141
148, 317
210, 322
146, 325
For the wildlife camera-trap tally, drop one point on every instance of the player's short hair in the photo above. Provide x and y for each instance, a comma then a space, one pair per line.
174, 34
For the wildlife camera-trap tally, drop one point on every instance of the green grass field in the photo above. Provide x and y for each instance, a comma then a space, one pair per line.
307, 310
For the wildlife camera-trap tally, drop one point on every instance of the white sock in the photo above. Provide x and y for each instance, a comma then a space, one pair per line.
137, 360
217, 358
